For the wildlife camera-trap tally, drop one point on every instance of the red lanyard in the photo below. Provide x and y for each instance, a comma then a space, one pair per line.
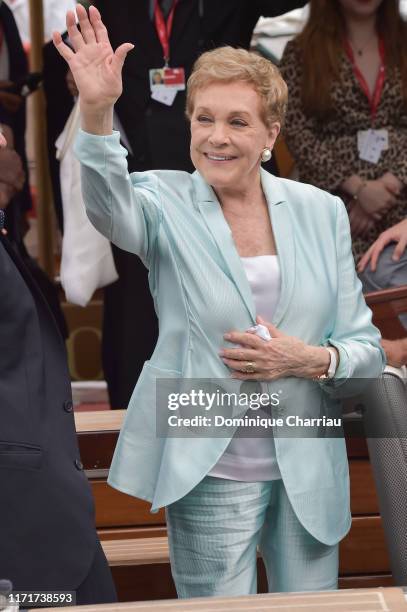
374, 99
164, 28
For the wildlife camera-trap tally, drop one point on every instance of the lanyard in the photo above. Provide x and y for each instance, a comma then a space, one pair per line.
201, 37
374, 99
164, 28
200, 9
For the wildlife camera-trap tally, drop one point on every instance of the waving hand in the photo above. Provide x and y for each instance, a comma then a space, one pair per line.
96, 68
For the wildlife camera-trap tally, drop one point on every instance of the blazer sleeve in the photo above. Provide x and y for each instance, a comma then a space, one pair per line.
125, 208
354, 335
315, 156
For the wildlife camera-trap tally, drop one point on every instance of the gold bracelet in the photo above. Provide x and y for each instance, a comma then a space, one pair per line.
356, 195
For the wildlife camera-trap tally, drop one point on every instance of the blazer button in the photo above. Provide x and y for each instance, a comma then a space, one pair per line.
78, 464
68, 406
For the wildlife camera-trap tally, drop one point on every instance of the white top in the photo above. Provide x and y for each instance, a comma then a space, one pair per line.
254, 459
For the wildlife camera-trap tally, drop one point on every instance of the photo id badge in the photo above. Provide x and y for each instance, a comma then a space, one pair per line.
174, 77
156, 76
163, 94
371, 143
165, 84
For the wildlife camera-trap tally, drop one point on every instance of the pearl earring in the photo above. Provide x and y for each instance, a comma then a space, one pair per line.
266, 154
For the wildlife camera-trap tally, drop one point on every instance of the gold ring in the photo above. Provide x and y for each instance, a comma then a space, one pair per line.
249, 368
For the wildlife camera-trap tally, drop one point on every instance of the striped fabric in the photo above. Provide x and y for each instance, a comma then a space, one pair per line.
214, 532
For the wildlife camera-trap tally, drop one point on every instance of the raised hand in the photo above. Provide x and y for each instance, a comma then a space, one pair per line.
96, 68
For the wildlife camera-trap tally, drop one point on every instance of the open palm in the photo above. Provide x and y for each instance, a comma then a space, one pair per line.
96, 68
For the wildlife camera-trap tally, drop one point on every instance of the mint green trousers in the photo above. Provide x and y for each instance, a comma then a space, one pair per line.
215, 530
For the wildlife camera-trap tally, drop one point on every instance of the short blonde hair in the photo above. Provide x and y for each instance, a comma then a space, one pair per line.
228, 65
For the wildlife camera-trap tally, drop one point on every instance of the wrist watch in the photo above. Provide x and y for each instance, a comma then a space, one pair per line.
333, 362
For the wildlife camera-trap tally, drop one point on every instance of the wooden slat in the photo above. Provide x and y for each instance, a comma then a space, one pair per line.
362, 488
394, 299
154, 581
144, 582
386, 306
363, 551
114, 508
357, 600
140, 551
366, 582
97, 448
99, 420
132, 533
97, 445
357, 448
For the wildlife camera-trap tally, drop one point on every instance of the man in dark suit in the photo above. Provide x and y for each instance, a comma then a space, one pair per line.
48, 539
12, 113
159, 138
13, 124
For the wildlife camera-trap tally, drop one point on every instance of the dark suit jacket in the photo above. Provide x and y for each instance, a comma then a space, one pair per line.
18, 69
158, 134
47, 533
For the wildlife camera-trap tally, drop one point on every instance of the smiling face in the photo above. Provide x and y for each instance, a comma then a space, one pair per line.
228, 134
360, 8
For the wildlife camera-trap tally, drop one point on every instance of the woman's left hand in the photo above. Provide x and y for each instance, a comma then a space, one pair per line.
282, 356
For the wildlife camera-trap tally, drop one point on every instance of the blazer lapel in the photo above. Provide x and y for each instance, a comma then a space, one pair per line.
218, 227
282, 225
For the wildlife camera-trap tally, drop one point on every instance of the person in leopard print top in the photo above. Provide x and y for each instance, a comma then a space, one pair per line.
347, 73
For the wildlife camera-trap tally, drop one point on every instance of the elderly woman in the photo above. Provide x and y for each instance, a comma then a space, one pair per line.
224, 246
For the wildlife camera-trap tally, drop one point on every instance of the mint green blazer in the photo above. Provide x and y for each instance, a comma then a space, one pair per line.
174, 222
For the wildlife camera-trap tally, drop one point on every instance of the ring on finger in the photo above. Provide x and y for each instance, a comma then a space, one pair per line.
249, 367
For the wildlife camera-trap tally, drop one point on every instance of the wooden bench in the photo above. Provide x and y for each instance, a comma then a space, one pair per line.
141, 567
135, 540
386, 306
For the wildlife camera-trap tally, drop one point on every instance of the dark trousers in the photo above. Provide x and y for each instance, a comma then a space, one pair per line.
130, 327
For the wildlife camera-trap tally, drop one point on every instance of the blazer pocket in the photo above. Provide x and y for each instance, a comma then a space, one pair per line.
149, 402
18, 455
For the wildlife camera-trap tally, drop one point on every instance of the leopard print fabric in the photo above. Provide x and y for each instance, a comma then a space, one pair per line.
326, 152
